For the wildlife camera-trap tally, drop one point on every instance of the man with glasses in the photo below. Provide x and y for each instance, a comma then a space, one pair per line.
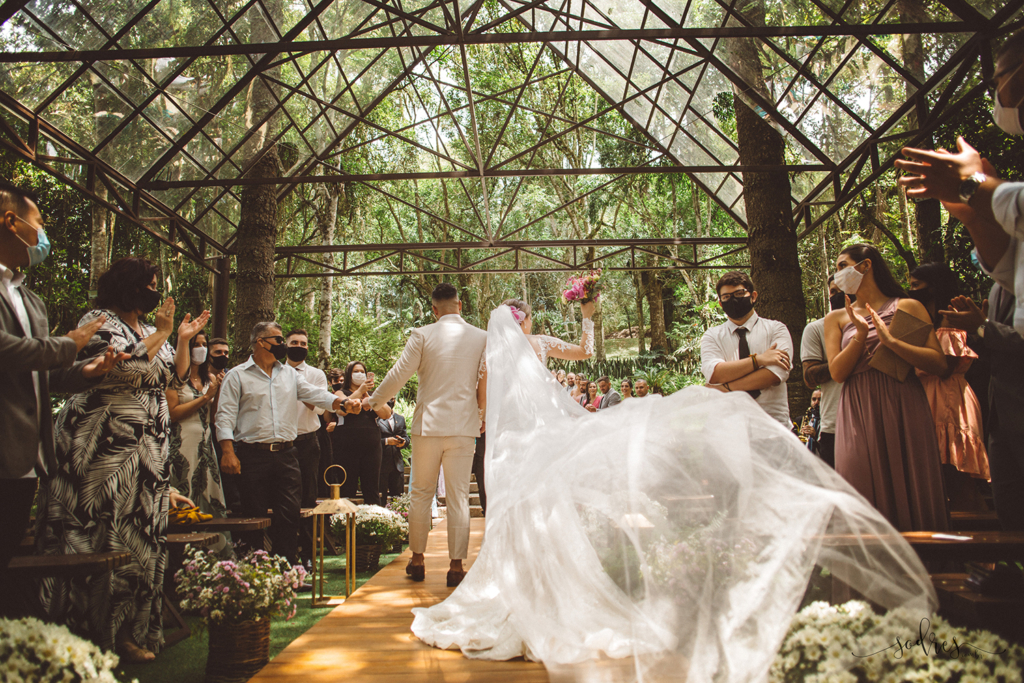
257, 423
747, 352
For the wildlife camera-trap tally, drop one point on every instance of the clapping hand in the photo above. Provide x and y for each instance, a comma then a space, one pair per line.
885, 338
938, 173
165, 316
214, 386
857, 319
774, 356
102, 364
965, 314
592, 408
190, 328
83, 334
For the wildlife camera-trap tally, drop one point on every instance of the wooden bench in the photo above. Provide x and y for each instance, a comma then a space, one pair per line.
961, 520
971, 546
230, 524
963, 606
82, 564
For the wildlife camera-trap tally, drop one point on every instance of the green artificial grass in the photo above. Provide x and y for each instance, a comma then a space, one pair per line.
185, 662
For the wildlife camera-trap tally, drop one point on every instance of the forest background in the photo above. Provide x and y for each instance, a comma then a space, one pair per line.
650, 318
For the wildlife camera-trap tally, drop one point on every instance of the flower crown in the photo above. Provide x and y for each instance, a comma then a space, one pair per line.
520, 316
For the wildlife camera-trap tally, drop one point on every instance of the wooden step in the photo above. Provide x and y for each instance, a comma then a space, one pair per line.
474, 499
961, 605
80, 564
961, 520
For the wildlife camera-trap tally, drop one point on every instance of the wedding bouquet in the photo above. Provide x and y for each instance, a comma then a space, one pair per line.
849, 642
374, 526
584, 288
229, 592
36, 652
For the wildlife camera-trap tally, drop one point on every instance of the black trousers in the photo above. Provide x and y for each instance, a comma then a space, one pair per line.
307, 449
326, 460
17, 598
827, 448
478, 470
359, 452
1006, 463
392, 480
272, 480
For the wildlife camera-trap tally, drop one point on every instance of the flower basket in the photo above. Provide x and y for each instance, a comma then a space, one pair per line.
32, 650
368, 556
237, 651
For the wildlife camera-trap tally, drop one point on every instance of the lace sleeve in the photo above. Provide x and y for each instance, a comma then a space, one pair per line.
482, 369
588, 336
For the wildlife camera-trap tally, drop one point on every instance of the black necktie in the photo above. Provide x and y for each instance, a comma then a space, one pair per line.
745, 353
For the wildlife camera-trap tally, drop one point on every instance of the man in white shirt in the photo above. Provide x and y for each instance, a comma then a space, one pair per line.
257, 423
747, 352
816, 375
307, 447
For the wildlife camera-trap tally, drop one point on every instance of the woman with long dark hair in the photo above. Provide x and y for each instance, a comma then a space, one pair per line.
194, 465
590, 397
357, 445
885, 435
111, 491
955, 408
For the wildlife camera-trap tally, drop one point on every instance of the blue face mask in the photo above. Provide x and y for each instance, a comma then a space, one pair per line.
36, 253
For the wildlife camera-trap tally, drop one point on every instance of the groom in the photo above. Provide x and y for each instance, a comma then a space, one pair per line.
447, 357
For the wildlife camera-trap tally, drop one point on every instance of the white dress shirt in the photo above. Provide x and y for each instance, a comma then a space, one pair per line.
721, 343
12, 281
1008, 207
256, 408
308, 421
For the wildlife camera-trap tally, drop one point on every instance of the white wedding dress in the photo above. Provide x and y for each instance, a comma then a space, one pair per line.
667, 538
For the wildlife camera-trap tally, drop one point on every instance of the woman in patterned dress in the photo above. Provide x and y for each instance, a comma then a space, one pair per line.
111, 490
195, 471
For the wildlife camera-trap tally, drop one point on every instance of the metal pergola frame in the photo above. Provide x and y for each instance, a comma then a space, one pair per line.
414, 32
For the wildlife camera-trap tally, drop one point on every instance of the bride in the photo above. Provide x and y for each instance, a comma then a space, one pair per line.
670, 538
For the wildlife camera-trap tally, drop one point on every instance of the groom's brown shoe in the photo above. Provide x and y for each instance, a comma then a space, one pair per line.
417, 572
455, 578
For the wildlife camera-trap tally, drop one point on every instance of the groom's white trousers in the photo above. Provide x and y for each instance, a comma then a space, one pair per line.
429, 454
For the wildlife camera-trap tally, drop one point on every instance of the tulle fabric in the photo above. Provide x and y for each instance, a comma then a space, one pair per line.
668, 538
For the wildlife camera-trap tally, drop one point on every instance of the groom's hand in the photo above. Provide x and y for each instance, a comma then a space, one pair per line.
366, 404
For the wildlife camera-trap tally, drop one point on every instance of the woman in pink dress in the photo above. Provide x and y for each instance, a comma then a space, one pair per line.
955, 408
885, 435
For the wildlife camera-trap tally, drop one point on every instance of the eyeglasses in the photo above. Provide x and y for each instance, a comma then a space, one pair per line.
738, 294
279, 339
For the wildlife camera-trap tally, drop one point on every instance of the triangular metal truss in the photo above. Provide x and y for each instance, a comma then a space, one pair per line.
165, 84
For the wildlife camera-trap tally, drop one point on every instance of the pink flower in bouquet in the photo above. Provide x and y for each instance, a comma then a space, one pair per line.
584, 288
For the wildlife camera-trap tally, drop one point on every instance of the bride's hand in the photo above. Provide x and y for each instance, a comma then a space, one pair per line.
588, 309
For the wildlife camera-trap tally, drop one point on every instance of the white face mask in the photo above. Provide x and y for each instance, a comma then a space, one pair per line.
849, 278
199, 355
358, 378
1007, 118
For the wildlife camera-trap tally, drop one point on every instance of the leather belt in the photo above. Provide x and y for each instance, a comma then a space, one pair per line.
272, 447
308, 436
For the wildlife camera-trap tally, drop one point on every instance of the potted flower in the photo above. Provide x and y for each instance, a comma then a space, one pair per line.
32, 650
401, 504
236, 600
377, 528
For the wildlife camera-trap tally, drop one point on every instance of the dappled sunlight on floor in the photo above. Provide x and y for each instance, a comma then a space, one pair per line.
369, 636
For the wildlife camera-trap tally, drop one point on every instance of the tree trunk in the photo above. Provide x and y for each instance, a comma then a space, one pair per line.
638, 281
927, 213
258, 219
656, 306
98, 262
326, 219
771, 234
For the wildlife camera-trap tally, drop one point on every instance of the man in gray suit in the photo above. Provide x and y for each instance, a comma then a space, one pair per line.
31, 363
609, 397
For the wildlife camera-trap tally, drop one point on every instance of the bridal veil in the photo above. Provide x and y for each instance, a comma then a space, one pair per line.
667, 538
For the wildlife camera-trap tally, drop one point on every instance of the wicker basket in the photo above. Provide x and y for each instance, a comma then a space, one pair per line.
368, 557
237, 651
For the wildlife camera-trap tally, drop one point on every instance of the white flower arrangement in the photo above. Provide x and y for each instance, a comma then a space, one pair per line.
401, 504
850, 643
32, 651
374, 525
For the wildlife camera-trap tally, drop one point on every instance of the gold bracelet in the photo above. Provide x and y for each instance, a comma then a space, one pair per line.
854, 339
753, 357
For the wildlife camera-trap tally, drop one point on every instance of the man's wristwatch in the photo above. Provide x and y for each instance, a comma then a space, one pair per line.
969, 186
980, 331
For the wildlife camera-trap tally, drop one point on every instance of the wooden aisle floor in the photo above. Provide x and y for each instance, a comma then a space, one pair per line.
368, 638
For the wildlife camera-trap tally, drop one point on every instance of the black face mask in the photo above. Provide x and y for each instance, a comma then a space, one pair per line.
736, 308
297, 354
838, 300
147, 300
279, 351
337, 386
218, 363
923, 295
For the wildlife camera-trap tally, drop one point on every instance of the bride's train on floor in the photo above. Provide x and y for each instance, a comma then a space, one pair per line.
669, 538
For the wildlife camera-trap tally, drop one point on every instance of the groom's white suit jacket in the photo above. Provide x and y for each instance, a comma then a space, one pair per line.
446, 355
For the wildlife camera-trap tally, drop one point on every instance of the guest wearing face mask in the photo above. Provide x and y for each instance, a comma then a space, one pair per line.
885, 435
357, 444
219, 353
955, 408
111, 489
194, 465
992, 210
816, 376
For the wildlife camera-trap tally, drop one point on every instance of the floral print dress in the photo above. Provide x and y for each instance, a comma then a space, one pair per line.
111, 492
